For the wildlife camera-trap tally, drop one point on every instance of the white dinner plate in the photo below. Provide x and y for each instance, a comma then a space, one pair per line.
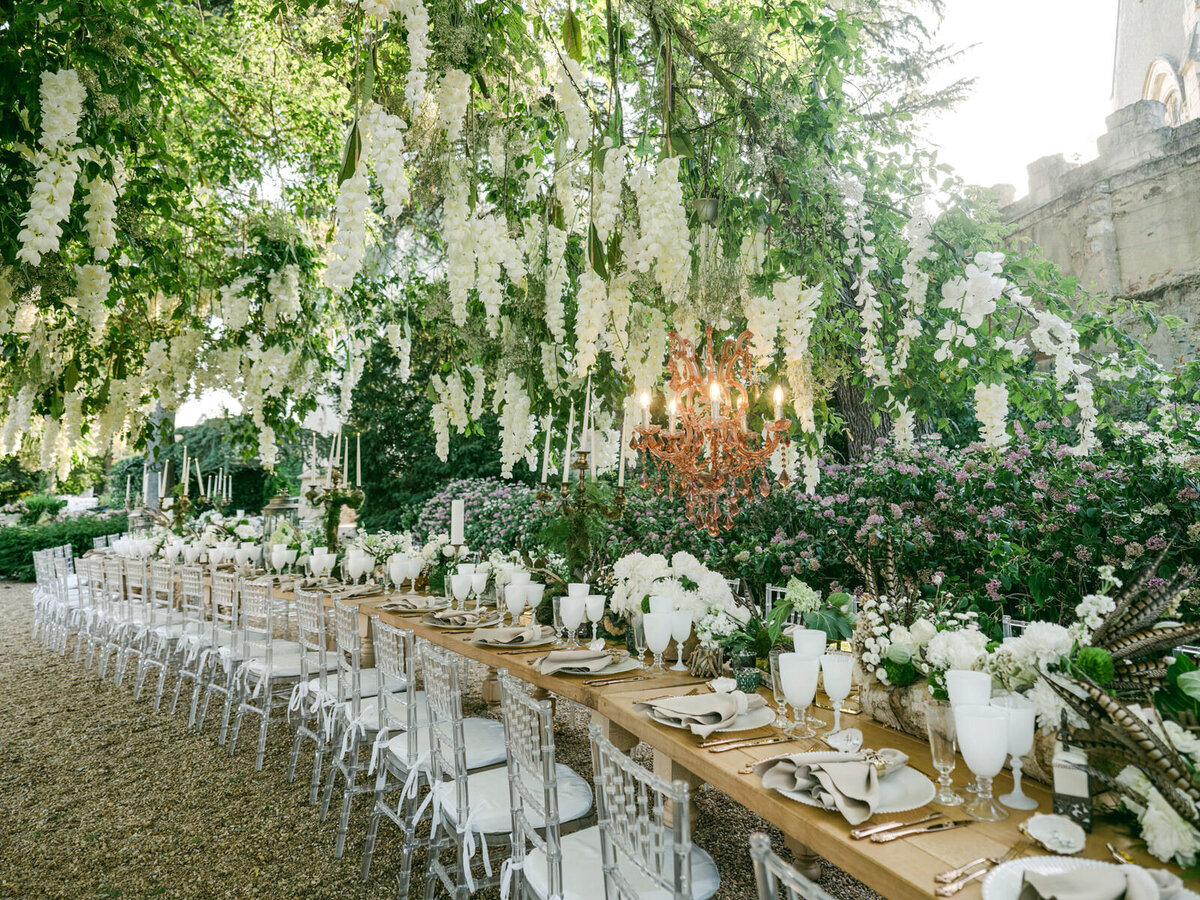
1004, 881
438, 623
755, 718
899, 791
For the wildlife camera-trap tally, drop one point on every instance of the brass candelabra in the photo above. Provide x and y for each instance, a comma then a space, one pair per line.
576, 504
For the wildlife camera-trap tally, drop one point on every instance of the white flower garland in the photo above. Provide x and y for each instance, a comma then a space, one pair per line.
606, 191
92, 284
387, 150
454, 95
861, 250
591, 306
101, 211
664, 240
350, 245
518, 427
647, 346
551, 364
568, 81
494, 248
556, 280
991, 409
460, 248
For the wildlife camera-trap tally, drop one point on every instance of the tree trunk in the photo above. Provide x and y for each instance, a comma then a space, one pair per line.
861, 431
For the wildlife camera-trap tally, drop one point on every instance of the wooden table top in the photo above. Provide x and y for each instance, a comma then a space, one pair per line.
900, 869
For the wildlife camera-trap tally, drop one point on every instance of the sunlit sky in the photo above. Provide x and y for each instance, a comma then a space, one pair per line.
1043, 71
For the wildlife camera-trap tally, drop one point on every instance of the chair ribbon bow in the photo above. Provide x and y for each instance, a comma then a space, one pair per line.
354, 725
377, 747
299, 692
507, 868
467, 832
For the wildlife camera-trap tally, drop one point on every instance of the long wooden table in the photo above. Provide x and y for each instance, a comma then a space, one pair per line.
903, 869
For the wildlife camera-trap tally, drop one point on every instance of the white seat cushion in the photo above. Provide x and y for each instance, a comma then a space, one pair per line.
284, 664
368, 681
583, 873
484, 740
490, 807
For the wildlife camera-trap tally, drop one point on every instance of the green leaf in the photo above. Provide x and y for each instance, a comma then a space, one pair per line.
596, 253
1189, 684
572, 36
350, 154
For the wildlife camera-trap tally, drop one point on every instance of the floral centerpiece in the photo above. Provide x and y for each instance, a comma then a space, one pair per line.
440, 557
688, 582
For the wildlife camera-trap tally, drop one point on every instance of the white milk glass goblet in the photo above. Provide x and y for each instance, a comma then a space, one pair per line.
978, 729
799, 676
573, 609
837, 671
681, 630
939, 725
278, 557
479, 583
967, 688
519, 576
578, 589
658, 636
661, 604
595, 611
460, 587
514, 601
1021, 720
809, 642
534, 594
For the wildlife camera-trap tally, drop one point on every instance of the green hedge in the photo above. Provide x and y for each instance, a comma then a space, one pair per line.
18, 542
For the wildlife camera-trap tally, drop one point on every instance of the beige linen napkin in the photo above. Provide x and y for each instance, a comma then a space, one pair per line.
573, 662
847, 782
514, 636
411, 603
703, 713
1125, 883
461, 616
355, 590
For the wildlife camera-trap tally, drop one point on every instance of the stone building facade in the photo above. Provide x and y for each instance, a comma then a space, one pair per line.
1127, 224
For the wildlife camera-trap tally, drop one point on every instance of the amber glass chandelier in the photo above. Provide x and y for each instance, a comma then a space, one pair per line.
706, 454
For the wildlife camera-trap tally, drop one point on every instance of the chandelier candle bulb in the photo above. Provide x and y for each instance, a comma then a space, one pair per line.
778, 402
566, 468
624, 453
671, 415
645, 409
456, 522
714, 397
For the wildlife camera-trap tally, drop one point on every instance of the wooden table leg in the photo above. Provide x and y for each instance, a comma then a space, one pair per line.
540, 693
807, 862
667, 768
617, 736
491, 689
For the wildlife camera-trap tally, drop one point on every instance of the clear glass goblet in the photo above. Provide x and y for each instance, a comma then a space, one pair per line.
781, 719
939, 724
639, 638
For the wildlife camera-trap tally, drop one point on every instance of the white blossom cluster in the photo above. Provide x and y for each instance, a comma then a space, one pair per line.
454, 94
283, 293
478, 391
494, 248
556, 281
1168, 836
401, 343
591, 306
568, 82
606, 190
552, 363
387, 155
972, 296
955, 648
751, 256
460, 249
664, 241
713, 629
564, 190
356, 359
57, 160
416, 24
647, 346
762, 314
518, 427
352, 209
860, 250
916, 288
92, 283
637, 576
903, 425
101, 211
991, 409
235, 304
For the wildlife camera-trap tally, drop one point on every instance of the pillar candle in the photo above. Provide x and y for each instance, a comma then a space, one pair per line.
358, 460
546, 451
346, 462
566, 472
587, 416
128, 485
199, 477
166, 477
457, 513
186, 473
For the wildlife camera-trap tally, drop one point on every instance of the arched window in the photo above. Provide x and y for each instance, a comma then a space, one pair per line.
1164, 85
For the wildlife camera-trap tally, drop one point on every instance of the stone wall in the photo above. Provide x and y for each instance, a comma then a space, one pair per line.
1126, 224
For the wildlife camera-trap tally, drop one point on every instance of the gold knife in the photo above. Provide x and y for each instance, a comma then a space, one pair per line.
924, 829
736, 740
761, 742
868, 830
601, 682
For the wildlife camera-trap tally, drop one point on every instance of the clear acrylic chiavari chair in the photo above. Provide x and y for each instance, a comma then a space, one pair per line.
196, 639
269, 663
135, 636
1011, 627
402, 713
166, 625
112, 605
775, 878
640, 852
219, 662
90, 576
311, 698
543, 796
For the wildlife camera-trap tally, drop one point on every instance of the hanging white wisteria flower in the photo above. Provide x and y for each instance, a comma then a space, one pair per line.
401, 343
356, 359
591, 306
478, 391
453, 397
751, 255
919, 231
568, 82
762, 321
973, 297
798, 306
493, 248
903, 426
664, 241
387, 155
564, 190
101, 210
454, 94
647, 346
416, 24
268, 453
440, 420
606, 190
92, 284
991, 409
352, 208
460, 248
283, 291
556, 281
1056, 338
518, 427
62, 97
1084, 397
860, 252
235, 305
551, 364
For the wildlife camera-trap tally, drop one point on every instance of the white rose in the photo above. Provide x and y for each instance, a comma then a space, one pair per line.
922, 632
448, 551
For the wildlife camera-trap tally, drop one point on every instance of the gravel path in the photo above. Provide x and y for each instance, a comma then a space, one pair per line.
101, 797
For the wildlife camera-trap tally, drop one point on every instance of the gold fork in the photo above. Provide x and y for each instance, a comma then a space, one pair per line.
951, 886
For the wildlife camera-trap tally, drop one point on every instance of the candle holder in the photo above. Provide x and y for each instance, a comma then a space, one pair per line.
333, 497
576, 505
